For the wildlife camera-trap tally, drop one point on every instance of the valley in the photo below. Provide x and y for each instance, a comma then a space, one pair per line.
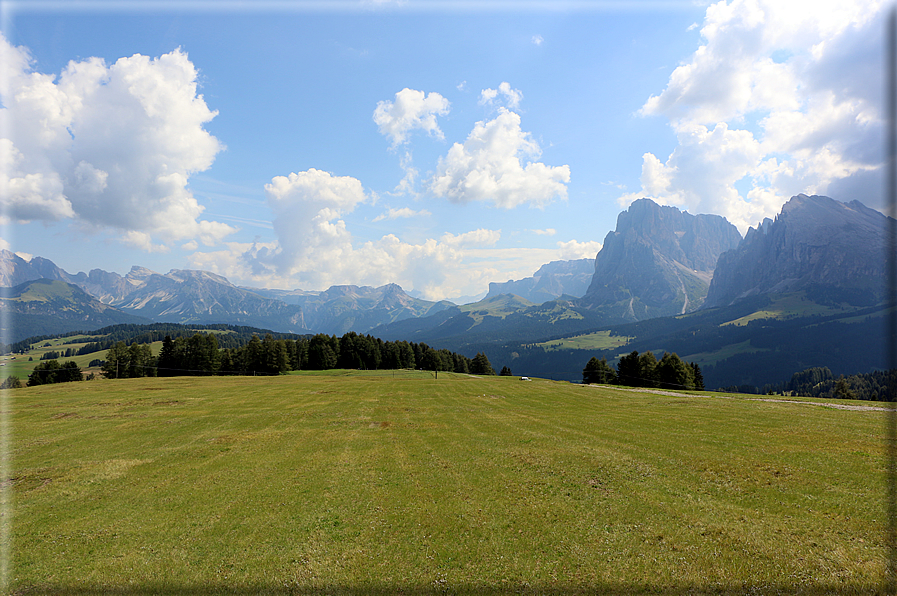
804, 290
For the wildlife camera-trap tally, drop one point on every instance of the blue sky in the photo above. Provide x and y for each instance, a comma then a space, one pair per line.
437, 145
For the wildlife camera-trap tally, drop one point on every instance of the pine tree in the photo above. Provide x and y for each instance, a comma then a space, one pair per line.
699, 378
628, 370
598, 371
480, 365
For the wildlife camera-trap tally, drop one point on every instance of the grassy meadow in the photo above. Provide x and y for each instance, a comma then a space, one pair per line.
20, 366
355, 483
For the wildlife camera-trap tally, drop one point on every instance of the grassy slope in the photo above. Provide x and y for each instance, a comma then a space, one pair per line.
18, 364
358, 483
600, 340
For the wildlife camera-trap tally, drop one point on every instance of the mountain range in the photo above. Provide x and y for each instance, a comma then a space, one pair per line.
660, 271
550, 282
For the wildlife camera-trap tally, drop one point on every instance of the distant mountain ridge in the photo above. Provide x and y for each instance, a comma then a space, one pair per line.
48, 306
550, 282
345, 308
180, 296
192, 296
657, 262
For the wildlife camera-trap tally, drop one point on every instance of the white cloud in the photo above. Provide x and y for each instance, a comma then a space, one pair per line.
780, 98
404, 212
480, 238
439, 269
409, 180
411, 110
307, 208
578, 250
110, 146
487, 167
142, 241
545, 232
511, 97
537, 39
315, 248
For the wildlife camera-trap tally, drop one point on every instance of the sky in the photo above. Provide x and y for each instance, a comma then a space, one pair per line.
438, 145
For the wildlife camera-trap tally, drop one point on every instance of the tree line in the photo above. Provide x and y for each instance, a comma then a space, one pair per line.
236, 335
200, 354
820, 382
644, 370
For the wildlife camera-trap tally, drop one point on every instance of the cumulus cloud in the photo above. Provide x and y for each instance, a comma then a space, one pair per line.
438, 268
315, 248
504, 93
537, 39
142, 241
578, 250
490, 166
545, 232
779, 98
307, 209
404, 212
108, 145
410, 111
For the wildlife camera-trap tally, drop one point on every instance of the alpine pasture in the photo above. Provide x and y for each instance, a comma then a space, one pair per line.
351, 482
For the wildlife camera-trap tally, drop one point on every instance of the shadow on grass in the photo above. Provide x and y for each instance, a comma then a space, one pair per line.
173, 589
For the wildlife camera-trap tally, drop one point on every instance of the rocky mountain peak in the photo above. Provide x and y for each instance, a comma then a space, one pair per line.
815, 244
657, 262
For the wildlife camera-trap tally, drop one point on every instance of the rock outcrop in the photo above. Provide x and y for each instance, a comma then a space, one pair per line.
834, 251
658, 262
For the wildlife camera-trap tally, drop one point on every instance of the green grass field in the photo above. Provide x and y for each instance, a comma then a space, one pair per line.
791, 305
20, 366
600, 340
357, 483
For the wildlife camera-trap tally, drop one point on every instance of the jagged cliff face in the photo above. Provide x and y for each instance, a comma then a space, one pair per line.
832, 250
551, 281
658, 262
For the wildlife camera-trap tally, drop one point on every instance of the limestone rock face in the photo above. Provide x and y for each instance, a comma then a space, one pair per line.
832, 250
658, 262
550, 282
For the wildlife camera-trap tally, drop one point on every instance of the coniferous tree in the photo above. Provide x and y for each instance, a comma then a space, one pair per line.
699, 378
12, 382
480, 365
673, 373
598, 371
166, 361
647, 370
321, 355
628, 369
117, 362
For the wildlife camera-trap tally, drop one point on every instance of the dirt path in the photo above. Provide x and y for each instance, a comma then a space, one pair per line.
770, 399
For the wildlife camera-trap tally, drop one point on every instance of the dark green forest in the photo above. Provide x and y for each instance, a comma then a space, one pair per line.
201, 354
